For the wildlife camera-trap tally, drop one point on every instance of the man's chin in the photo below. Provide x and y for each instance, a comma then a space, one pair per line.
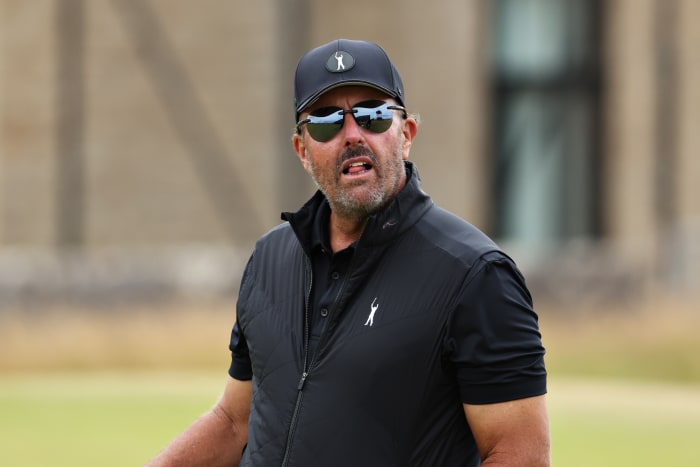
357, 205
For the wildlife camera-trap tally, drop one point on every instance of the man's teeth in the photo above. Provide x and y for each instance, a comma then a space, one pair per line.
355, 166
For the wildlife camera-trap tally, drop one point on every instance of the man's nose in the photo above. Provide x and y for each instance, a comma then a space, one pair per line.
352, 133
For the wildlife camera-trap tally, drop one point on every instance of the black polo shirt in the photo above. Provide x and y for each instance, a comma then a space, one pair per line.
329, 272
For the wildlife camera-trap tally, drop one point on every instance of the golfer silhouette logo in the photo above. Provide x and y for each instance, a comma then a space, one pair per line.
373, 308
339, 59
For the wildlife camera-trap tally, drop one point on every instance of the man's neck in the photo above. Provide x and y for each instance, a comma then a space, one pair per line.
344, 231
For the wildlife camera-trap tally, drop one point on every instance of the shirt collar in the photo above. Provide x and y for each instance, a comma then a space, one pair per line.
409, 206
319, 230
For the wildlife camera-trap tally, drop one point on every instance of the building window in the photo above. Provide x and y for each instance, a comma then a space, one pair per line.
547, 120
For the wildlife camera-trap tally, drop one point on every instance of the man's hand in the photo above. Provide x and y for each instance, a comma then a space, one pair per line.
217, 437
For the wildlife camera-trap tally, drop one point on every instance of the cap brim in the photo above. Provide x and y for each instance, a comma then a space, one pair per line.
311, 100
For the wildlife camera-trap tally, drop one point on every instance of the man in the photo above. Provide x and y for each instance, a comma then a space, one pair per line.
373, 328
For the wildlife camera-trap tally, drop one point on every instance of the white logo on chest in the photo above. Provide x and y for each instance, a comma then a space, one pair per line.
370, 318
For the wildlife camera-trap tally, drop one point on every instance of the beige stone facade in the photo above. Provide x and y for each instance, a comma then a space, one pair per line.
133, 125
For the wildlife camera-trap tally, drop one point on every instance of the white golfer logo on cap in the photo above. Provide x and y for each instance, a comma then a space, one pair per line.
339, 57
340, 61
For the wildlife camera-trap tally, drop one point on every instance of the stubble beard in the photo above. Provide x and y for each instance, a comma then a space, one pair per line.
341, 198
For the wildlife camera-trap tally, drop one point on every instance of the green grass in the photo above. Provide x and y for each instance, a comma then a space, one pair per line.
624, 384
607, 423
612, 439
124, 418
97, 419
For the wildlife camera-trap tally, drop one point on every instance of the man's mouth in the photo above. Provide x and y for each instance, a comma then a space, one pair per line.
355, 168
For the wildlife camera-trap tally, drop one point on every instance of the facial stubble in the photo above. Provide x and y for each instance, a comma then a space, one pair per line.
341, 198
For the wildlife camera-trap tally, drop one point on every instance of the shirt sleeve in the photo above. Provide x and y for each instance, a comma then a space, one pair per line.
241, 367
493, 339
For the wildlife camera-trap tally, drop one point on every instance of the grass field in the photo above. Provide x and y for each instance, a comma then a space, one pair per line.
123, 418
81, 390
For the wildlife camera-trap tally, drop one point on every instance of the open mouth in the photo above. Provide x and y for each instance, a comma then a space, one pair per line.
357, 168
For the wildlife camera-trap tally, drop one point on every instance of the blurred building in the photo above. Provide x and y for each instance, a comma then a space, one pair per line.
145, 144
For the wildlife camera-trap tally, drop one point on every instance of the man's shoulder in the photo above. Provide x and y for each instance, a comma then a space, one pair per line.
278, 239
454, 235
278, 233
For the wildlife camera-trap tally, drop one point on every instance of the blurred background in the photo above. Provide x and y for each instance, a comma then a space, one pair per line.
145, 145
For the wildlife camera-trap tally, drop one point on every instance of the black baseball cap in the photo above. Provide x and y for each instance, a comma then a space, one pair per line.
344, 62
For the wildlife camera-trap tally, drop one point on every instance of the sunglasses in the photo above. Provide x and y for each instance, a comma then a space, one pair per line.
324, 123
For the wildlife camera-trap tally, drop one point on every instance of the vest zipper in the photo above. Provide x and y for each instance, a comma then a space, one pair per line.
305, 370
307, 365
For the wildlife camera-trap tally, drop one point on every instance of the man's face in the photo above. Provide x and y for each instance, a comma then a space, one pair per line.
357, 170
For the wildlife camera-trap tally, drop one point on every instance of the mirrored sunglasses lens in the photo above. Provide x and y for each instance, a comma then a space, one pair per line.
323, 132
376, 120
325, 123
380, 126
325, 126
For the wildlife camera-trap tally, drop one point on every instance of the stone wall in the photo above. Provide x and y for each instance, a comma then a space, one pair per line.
151, 127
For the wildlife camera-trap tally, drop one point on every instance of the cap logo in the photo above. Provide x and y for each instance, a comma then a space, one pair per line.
339, 62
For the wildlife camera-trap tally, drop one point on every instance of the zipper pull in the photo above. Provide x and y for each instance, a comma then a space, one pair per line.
302, 380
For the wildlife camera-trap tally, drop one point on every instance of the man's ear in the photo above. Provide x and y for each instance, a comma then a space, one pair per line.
410, 129
300, 150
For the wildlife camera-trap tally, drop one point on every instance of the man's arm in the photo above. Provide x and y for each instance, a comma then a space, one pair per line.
514, 433
217, 437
